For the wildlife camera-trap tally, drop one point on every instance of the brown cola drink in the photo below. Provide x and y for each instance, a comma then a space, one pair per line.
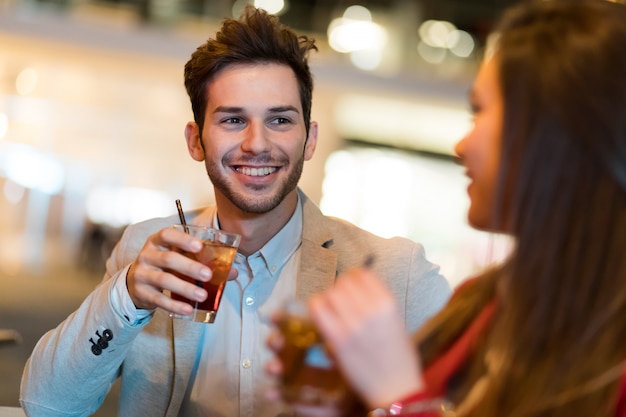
218, 252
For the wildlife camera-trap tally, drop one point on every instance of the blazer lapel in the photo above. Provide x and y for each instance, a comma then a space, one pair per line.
187, 336
318, 263
318, 267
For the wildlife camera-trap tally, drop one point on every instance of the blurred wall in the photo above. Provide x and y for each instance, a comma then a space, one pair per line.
98, 105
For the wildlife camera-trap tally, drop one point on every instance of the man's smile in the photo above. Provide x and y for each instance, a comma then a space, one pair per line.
255, 171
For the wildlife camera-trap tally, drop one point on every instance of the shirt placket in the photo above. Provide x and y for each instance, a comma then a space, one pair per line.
249, 330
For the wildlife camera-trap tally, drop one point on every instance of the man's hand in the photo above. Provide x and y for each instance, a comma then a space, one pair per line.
155, 269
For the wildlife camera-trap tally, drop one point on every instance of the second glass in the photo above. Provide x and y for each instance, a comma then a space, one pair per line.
218, 252
310, 376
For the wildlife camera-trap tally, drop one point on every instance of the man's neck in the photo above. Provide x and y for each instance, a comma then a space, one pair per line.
255, 229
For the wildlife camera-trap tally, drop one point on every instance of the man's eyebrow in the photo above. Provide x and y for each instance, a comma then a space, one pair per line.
282, 109
228, 109
239, 110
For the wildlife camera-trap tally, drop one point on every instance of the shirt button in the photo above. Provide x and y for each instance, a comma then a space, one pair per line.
246, 363
249, 301
274, 268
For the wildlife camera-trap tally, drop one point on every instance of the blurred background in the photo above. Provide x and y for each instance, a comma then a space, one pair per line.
92, 112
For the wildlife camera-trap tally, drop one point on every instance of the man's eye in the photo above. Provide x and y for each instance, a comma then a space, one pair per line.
280, 121
232, 120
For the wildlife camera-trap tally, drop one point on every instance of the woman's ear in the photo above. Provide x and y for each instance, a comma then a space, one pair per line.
194, 143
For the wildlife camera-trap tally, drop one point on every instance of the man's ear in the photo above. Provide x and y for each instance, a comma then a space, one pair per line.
194, 144
311, 142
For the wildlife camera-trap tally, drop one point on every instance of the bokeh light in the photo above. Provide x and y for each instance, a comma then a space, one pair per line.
460, 43
356, 31
271, 6
31, 168
437, 37
4, 125
26, 81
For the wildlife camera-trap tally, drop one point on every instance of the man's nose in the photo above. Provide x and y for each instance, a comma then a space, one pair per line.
255, 138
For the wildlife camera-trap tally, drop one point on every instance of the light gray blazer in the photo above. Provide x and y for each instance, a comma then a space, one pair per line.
63, 377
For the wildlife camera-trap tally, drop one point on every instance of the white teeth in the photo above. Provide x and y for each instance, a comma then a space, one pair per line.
256, 172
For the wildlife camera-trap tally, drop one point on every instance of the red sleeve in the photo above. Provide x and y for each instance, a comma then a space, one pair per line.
438, 373
621, 402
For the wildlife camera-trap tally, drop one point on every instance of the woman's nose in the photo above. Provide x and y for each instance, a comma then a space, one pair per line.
459, 148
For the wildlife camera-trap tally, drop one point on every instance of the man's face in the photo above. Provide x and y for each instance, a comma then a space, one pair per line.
254, 142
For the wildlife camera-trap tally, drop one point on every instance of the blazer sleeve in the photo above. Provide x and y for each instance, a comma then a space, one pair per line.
401, 263
73, 366
427, 290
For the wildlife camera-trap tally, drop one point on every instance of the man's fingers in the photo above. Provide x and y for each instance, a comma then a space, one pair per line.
172, 238
175, 261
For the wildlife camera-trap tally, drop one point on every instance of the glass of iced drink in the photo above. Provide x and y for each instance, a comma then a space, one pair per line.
218, 252
309, 374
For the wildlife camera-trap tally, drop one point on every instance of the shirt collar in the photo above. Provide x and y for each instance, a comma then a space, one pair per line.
277, 251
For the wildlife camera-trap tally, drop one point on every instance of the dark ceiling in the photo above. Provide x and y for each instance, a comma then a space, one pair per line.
474, 16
